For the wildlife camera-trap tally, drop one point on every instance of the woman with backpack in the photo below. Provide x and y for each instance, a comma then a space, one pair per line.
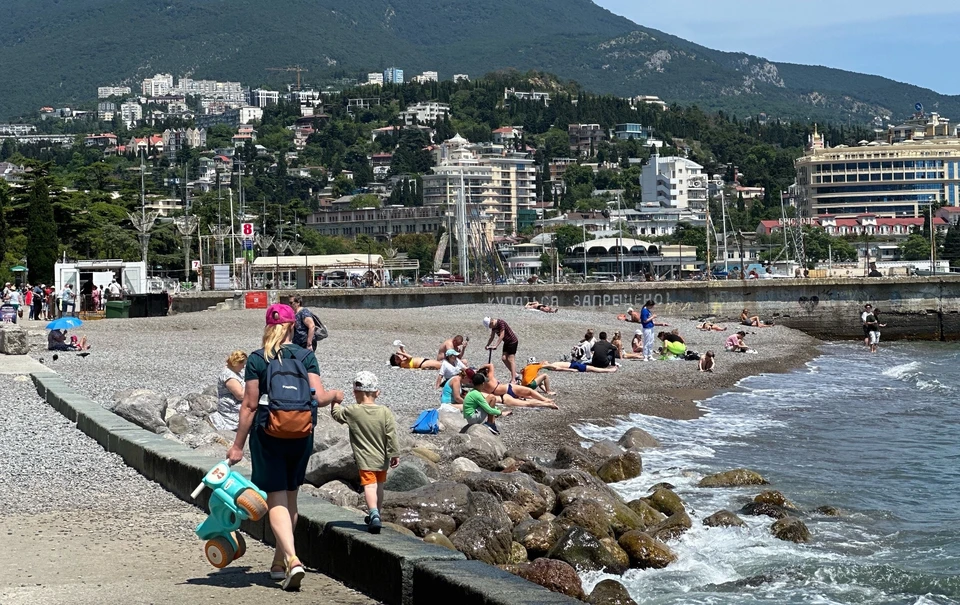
308, 330
281, 432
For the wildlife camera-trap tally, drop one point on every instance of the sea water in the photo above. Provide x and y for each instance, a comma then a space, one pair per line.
875, 435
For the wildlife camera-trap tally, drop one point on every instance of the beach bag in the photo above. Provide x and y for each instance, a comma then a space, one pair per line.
291, 411
691, 355
428, 423
579, 352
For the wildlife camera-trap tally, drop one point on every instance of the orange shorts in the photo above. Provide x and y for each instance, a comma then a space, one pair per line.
371, 477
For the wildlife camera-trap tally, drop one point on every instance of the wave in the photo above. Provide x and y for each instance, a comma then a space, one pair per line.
910, 373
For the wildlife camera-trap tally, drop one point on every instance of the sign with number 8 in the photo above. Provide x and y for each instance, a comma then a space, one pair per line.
246, 229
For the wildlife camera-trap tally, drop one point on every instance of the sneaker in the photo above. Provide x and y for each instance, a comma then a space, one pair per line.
294, 575
492, 427
374, 524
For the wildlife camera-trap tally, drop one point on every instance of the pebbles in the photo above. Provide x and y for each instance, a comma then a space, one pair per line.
183, 354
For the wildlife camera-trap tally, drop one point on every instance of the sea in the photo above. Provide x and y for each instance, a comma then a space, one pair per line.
874, 435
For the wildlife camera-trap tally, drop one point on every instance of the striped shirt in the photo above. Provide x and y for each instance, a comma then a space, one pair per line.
509, 336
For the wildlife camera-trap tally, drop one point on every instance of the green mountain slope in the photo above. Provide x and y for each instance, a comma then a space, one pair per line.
55, 52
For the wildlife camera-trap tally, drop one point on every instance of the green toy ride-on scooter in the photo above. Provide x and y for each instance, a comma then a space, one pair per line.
234, 499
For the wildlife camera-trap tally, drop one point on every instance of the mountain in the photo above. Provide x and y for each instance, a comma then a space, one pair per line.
56, 52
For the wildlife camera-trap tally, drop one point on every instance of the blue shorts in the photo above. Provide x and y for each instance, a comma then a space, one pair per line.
578, 366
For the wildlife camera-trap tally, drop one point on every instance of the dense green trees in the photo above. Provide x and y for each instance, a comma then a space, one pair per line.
951, 246
42, 242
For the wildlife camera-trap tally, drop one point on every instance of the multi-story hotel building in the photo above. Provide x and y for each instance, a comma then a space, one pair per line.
917, 165
495, 184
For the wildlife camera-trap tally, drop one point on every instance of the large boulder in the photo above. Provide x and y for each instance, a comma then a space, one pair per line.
622, 518
451, 420
13, 340
144, 408
482, 504
539, 473
464, 465
605, 449
538, 537
573, 456
665, 501
553, 575
790, 529
477, 443
610, 592
427, 454
829, 511
420, 522
515, 512
736, 478
565, 479
723, 518
758, 509
618, 553
333, 463
772, 496
200, 405
444, 497
645, 552
340, 493
586, 514
406, 477
637, 439
549, 497
672, 528
649, 515
518, 554
483, 540
439, 540
584, 552
516, 487
621, 467
178, 425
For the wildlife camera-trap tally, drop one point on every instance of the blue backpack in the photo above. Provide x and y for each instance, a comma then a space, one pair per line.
428, 423
291, 411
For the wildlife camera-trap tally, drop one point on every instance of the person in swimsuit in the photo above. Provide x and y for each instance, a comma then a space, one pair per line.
753, 321
502, 333
636, 345
512, 395
576, 366
531, 377
710, 327
457, 343
401, 359
631, 316
536, 306
707, 362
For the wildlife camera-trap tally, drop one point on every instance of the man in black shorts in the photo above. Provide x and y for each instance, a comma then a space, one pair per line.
867, 310
502, 333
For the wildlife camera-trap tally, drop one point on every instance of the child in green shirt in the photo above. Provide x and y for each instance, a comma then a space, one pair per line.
477, 409
373, 437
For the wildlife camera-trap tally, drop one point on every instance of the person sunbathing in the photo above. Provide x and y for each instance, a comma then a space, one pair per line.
753, 321
576, 366
631, 316
402, 359
512, 395
536, 306
710, 327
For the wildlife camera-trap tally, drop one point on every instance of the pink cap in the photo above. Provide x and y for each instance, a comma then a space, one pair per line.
280, 314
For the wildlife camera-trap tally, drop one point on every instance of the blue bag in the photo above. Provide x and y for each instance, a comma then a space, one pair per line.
428, 423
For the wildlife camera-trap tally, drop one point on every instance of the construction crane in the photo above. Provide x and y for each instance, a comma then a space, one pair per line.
295, 68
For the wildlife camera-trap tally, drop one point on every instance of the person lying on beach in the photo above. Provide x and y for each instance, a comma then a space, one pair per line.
736, 344
753, 321
576, 366
707, 362
531, 377
630, 316
458, 343
709, 327
401, 359
510, 394
536, 306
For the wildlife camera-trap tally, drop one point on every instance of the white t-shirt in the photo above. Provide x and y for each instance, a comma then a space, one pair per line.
114, 289
449, 370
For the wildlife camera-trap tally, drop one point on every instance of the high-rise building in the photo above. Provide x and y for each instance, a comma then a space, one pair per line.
674, 182
392, 75
262, 98
157, 86
917, 165
494, 184
131, 113
375, 78
105, 92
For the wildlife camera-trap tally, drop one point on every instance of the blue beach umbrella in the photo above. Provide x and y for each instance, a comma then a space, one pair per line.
64, 323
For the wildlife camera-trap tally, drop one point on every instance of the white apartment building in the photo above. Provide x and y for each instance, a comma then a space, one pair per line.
105, 92
899, 179
424, 113
461, 78
540, 97
262, 98
157, 86
131, 113
210, 88
674, 182
496, 186
250, 114
17, 129
106, 110
427, 76
375, 78
393, 75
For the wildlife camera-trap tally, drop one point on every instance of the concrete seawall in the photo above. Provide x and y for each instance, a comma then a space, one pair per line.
390, 567
916, 308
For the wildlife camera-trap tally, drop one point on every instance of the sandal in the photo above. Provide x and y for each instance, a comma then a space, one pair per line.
294, 574
278, 571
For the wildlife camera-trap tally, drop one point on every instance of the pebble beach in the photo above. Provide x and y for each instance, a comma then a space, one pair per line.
183, 354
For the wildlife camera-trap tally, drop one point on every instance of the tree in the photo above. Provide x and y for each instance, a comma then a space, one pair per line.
342, 186
951, 245
916, 247
567, 236
42, 242
366, 200
4, 226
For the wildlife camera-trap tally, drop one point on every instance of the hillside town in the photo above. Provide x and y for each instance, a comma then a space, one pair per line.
518, 202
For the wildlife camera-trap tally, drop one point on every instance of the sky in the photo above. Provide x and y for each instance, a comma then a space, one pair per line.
907, 41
